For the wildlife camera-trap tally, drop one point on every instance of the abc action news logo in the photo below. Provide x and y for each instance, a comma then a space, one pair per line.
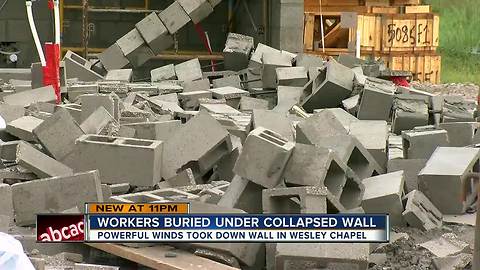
60, 228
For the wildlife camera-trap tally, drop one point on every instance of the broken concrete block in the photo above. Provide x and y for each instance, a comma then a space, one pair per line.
460, 133
160, 131
373, 135
54, 194
457, 109
198, 145
273, 121
237, 51
231, 94
97, 121
137, 161
174, 17
40, 164
219, 109
197, 10
321, 256
248, 104
292, 76
441, 179
11, 112
322, 124
256, 58
6, 203
92, 102
58, 133
26, 98
8, 150
420, 212
336, 84
134, 48
80, 68
190, 100
155, 33
232, 80
420, 144
446, 245
23, 127
308, 200
264, 156
271, 61
308, 60
163, 73
351, 104
376, 100
113, 58
383, 194
324, 169
409, 111
410, 168
197, 85
122, 75
460, 261
189, 70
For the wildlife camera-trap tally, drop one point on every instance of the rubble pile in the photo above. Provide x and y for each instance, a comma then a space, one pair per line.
338, 137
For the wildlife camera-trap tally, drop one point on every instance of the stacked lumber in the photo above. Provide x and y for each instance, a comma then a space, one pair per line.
404, 33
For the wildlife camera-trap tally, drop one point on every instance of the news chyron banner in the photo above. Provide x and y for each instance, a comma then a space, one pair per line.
172, 222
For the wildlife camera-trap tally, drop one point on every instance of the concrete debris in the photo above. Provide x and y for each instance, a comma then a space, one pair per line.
446, 245
274, 133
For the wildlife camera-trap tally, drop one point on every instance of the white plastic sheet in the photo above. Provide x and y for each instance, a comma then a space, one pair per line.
12, 256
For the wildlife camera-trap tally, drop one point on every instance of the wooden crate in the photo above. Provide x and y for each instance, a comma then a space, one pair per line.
382, 33
424, 67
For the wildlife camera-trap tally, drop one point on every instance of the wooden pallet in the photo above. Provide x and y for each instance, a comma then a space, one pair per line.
424, 67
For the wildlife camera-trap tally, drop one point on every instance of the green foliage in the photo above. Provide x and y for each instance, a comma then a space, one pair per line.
459, 39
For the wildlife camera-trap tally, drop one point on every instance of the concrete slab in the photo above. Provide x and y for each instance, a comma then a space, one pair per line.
441, 179
54, 194
23, 127
383, 194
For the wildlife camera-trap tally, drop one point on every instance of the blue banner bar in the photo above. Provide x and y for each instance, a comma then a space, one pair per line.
243, 222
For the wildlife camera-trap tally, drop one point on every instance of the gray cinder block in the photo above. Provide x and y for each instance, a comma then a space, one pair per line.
248, 104
264, 156
197, 10
243, 194
80, 68
383, 194
163, 73
272, 60
113, 58
292, 76
420, 144
161, 130
376, 100
155, 33
54, 194
310, 200
274, 121
190, 100
120, 160
40, 164
97, 121
460, 133
237, 51
174, 17
23, 127
232, 80
28, 97
189, 70
410, 168
134, 48
197, 85
373, 135
121, 75
231, 94
92, 102
6, 202
441, 178
336, 84
58, 133
409, 111
420, 212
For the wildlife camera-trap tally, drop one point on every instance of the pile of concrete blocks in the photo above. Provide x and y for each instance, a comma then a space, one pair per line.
276, 133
